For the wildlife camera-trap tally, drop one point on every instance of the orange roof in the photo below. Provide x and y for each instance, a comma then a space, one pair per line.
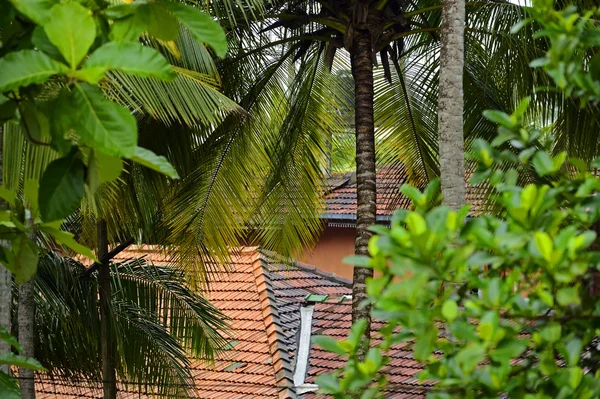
262, 295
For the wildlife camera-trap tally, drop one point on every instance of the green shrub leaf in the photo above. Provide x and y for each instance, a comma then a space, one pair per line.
131, 58
72, 30
61, 187
155, 162
102, 124
25, 67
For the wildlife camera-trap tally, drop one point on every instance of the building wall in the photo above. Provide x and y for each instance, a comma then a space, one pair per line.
334, 245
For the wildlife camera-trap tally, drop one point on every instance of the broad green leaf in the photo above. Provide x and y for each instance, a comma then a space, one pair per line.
72, 30
9, 389
26, 259
131, 58
424, 345
328, 383
203, 28
40, 40
8, 195
357, 260
25, 67
20, 361
62, 187
499, 117
102, 124
34, 122
8, 338
155, 162
109, 168
416, 224
31, 191
121, 11
161, 23
128, 29
450, 310
329, 344
568, 296
36, 10
575, 376
544, 244
67, 239
543, 163
551, 333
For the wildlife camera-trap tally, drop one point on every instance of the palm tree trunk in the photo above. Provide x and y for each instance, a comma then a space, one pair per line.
26, 321
5, 281
450, 104
366, 211
106, 343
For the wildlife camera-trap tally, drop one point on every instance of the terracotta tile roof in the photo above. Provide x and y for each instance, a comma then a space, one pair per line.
262, 294
341, 196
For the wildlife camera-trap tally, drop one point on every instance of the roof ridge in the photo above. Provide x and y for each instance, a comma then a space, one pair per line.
275, 337
266, 254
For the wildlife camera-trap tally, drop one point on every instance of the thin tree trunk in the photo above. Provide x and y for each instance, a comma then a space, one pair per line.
26, 321
106, 341
450, 104
5, 280
26, 325
366, 211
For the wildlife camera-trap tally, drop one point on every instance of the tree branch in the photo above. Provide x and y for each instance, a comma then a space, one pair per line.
117, 250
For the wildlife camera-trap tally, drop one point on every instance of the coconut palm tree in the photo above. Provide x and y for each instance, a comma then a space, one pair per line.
282, 61
450, 104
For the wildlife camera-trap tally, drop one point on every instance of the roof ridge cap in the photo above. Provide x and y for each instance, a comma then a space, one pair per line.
282, 366
265, 254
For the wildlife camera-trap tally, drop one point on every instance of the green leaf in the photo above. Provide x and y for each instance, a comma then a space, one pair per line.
8, 338
551, 333
72, 30
155, 162
450, 310
568, 296
499, 117
424, 345
26, 259
575, 376
543, 163
544, 244
128, 29
40, 40
131, 58
203, 28
416, 224
8, 195
62, 187
329, 344
328, 383
34, 122
25, 67
9, 389
102, 124
357, 260
20, 361
106, 167
31, 192
161, 24
67, 239
36, 10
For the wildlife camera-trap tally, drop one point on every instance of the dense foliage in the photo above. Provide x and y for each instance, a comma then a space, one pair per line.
502, 305
55, 58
